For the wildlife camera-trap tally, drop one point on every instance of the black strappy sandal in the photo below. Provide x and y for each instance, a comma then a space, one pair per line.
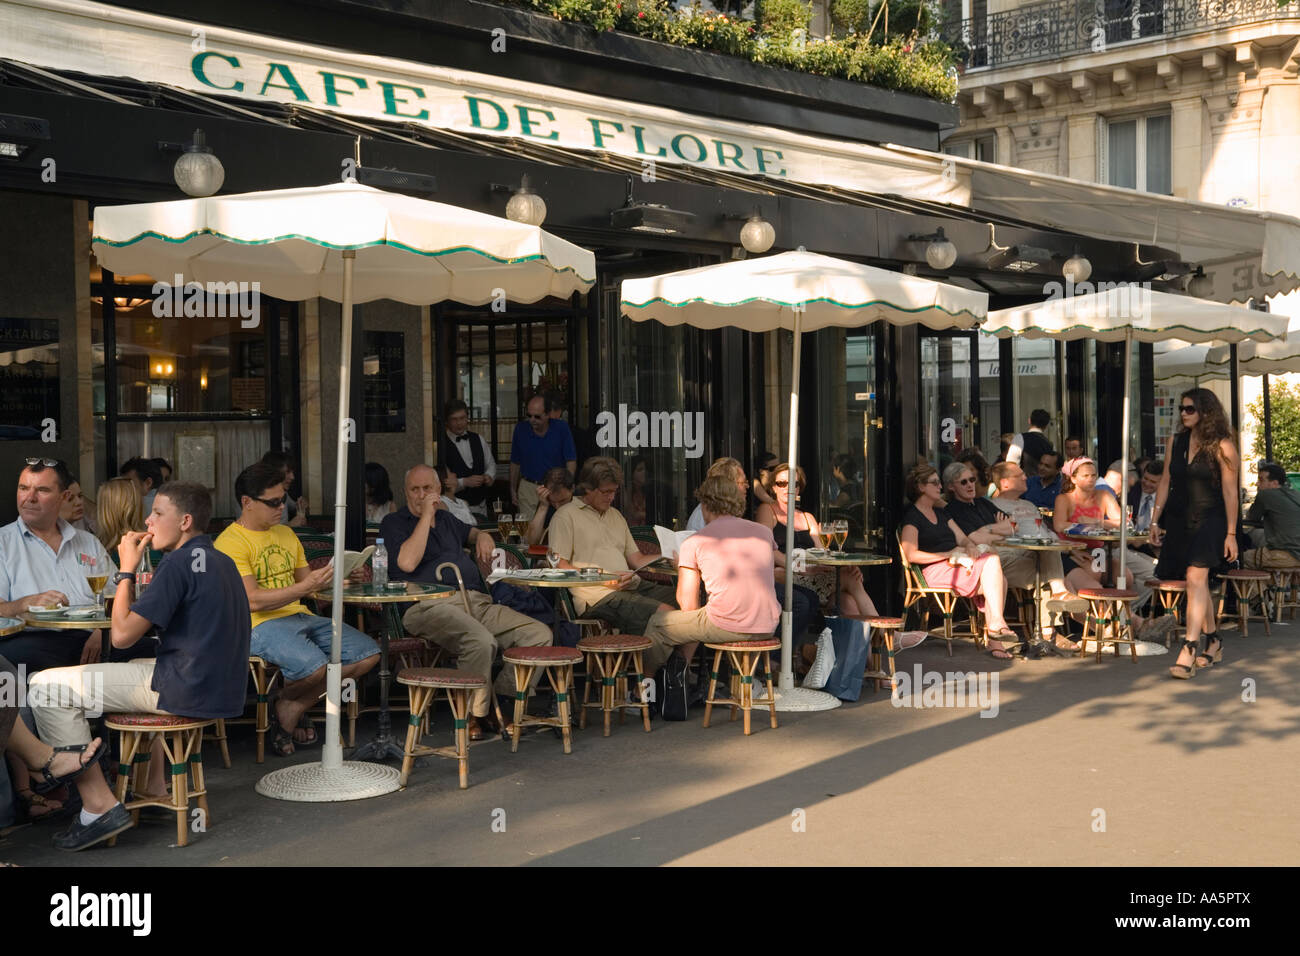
1210, 658
51, 781
1185, 671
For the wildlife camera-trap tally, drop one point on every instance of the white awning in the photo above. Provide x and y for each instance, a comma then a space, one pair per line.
1247, 253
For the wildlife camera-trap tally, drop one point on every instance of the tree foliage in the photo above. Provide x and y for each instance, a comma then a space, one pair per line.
1284, 411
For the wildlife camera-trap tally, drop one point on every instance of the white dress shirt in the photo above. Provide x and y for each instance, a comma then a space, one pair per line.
464, 446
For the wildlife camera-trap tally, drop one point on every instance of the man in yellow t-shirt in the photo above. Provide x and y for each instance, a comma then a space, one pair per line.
274, 569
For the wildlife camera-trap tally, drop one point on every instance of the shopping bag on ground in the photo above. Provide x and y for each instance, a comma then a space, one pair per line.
851, 653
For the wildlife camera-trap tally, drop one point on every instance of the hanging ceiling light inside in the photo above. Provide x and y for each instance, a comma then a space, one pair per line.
1077, 268
757, 234
198, 172
526, 206
1201, 285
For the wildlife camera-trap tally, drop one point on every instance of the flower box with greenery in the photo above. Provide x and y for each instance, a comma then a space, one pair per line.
866, 48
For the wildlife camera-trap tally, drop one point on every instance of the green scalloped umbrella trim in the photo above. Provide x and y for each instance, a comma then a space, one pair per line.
1138, 330
790, 305
334, 246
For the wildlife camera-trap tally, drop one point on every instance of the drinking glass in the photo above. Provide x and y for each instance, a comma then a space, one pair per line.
96, 578
553, 557
841, 533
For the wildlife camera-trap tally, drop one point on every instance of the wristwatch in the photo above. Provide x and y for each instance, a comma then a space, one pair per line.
123, 576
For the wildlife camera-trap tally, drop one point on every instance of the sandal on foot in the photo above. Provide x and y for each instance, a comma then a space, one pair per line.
1207, 658
1185, 671
34, 801
305, 723
88, 753
1000, 654
280, 741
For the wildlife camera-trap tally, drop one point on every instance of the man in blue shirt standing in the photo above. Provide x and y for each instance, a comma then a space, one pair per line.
1042, 488
197, 602
539, 444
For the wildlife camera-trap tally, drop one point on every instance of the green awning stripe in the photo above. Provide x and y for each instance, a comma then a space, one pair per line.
821, 300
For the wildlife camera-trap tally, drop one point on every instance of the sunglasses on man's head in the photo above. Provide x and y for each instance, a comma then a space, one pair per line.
47, 462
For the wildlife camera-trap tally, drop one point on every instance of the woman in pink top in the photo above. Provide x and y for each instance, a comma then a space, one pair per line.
734, 559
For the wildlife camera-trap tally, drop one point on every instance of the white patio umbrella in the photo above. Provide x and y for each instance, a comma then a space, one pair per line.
800, 291
1134, 313
1279, 357
349, 243
1189, 361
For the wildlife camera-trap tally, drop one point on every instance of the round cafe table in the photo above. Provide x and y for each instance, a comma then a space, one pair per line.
61, 623
11, 625
843, 559
1028, 544
383, 745
571, 579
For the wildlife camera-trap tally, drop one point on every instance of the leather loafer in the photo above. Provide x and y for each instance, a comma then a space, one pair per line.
81, 836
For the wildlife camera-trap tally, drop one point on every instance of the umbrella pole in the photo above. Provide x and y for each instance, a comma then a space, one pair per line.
1268, 423
332, 756
787, 612
1121, 493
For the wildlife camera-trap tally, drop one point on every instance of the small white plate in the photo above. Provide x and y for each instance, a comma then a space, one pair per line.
78, 613
40, 610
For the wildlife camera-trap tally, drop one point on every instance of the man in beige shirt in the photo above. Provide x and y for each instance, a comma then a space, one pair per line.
588, 532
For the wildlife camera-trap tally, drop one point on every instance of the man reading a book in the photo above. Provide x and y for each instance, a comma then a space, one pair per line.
589, 532
273, 565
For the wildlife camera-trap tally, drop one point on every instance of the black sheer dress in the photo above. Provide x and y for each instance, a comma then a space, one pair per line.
1194, 519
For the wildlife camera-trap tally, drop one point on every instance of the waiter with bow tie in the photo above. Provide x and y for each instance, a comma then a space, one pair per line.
468, 455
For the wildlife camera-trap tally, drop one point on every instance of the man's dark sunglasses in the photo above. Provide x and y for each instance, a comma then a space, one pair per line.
272, 502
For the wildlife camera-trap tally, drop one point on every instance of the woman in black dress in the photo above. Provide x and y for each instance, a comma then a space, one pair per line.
1195, 508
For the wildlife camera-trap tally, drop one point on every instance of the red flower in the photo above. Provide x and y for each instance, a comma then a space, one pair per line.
641, 15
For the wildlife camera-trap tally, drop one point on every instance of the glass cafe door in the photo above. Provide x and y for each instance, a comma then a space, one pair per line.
949, 416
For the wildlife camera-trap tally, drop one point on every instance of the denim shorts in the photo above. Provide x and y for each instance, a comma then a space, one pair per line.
299, 644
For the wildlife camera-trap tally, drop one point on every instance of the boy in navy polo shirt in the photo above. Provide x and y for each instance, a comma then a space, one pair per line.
198, 603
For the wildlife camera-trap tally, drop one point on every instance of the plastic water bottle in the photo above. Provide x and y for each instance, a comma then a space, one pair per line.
379, 564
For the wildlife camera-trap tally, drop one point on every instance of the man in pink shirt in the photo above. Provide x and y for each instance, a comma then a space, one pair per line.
735, 559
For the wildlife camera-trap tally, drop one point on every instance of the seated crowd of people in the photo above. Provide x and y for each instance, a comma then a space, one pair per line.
183, 627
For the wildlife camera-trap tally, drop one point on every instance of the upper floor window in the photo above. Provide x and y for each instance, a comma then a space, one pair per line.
981, 148
1136, 153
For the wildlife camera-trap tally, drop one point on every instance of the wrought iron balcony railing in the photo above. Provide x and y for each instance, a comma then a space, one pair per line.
1061, 28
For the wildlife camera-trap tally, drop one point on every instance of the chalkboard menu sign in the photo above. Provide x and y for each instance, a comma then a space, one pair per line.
29, 377
384, 371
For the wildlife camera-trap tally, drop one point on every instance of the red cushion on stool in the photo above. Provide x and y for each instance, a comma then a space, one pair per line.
1241, 574
439, 677
1109, 594
404, 645
763, 645
885, 622
155, 720
614, 642
542, 655
1167, 585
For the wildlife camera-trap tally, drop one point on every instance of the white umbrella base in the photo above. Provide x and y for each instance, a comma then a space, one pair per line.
313, 783
803, 699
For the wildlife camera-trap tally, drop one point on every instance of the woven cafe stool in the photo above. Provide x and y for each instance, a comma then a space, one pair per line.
1286, 591
882, 635
1248, 585
1108, 610
745, 657
558, 662
182, 742
423, 684
219, 735
264, 674
1169, 597
614, 659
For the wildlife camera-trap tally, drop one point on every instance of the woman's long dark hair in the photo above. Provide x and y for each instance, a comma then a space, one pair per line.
379, 490
1211, 424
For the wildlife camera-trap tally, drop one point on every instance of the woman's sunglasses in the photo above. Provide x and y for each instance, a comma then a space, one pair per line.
786, 484
1188, 409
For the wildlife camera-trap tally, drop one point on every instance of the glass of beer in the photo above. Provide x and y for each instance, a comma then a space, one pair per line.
96, 578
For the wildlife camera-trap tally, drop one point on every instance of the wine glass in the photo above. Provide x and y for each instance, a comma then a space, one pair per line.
96, 577
841, 531
553, 557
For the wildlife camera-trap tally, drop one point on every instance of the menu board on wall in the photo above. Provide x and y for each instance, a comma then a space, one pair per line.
384, 370
29, 377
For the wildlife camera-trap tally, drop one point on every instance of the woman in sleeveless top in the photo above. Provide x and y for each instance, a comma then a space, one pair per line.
853, 598
929, 538
1195, 515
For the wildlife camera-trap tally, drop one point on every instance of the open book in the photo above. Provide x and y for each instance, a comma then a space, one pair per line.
670, 542
354, 559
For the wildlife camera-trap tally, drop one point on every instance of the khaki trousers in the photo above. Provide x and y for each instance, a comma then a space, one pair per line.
669, 629
476, 637
1018, 567
528, 500
62, 698
1270, 559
